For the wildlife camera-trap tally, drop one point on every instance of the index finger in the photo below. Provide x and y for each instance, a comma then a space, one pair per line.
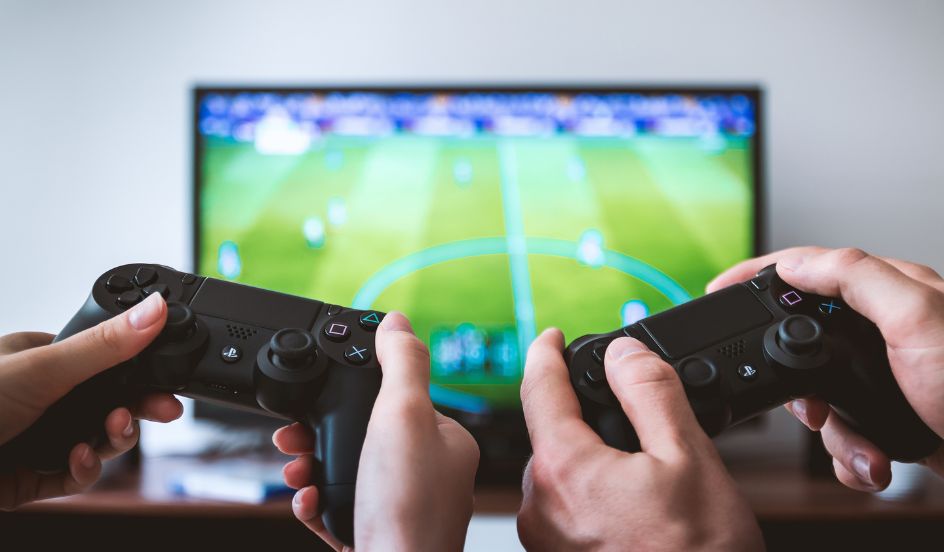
20, 341
745, 270
870, 286
551, 409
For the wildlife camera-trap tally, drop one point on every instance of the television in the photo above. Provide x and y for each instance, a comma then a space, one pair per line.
484, 213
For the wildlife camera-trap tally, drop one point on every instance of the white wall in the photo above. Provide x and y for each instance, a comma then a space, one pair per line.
94, 143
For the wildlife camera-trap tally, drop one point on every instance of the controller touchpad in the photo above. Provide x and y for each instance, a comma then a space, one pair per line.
705, 321
255, 307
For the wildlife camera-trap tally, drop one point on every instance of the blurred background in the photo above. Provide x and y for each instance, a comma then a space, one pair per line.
96, 122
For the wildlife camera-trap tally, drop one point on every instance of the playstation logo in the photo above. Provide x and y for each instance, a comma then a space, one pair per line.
231, 353
747, 372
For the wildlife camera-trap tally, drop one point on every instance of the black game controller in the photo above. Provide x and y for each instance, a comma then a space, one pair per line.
235, 345
751, 347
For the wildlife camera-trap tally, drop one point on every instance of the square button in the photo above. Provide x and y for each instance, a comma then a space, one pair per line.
790, 298
337, 332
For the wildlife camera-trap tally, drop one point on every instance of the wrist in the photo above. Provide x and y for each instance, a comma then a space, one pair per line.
419, 531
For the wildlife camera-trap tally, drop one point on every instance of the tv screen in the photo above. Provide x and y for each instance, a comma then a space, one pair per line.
484, 214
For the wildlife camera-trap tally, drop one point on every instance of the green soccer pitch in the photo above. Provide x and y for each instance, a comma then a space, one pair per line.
489, 230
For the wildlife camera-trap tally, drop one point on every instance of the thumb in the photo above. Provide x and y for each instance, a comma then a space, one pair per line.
404, 360
61, 366
652, 397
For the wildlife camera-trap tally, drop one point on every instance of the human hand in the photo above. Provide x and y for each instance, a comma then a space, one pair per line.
580, 494
906, 301
35, 373
417, 468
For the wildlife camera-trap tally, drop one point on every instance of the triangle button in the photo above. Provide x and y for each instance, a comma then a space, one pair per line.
370, 320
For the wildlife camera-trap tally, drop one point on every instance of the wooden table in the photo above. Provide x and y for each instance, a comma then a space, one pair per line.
131, 508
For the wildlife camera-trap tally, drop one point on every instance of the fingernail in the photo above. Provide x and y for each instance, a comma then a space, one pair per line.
128, 431
297, 505
87, 460
792, 262
623, 347
396, 322
799, 410
860, 465
146, 313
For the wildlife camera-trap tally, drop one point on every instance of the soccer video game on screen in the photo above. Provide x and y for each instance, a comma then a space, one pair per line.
483, 216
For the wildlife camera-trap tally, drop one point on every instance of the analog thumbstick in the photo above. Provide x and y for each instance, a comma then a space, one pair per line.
180, 322
800, 335
293, 349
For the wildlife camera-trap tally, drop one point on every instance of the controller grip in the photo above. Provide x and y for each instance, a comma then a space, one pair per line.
77, 417
340, 428
612, 425
869, 399
338, 513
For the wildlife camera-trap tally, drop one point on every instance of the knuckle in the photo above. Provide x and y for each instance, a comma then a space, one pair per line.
536, 347
543, 471
848, 256
528, 525
526, 389
409, 344
551, 472
646, 368
407, 406
472, 453
927, 272
106, 336
13, 342
928, 303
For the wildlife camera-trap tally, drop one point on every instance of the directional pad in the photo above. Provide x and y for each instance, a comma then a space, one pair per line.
129, 298
117, 283
595, 375
162, 289
145, 276
599, 352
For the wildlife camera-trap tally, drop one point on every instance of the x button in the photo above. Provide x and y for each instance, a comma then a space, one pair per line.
357, 355
829, 307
